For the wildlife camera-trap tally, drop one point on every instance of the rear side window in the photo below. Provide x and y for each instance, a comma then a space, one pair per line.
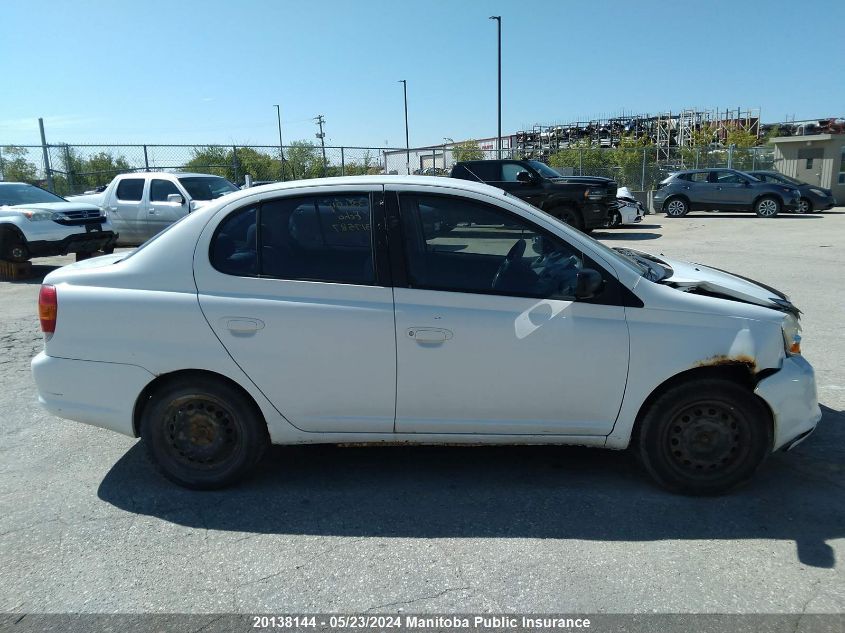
130, 189
313, 238
486, 171
160, 189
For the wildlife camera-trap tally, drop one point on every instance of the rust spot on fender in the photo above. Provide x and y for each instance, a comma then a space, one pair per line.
721, 360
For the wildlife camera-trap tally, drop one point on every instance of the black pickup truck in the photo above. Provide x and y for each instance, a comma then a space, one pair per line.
582, 203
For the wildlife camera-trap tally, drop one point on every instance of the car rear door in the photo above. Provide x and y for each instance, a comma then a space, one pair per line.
296, 288
126, 210
506, 354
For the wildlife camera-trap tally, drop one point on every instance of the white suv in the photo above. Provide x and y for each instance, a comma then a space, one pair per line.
37, 223
341, 310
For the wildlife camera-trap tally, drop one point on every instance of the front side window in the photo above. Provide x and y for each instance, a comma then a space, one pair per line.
729, 178
460, 245
310, 238
130, 189
510, 170
160, 189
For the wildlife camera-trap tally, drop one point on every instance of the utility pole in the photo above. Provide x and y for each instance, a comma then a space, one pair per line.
281, 146
407, 142
320, 119
47, 169
498, 19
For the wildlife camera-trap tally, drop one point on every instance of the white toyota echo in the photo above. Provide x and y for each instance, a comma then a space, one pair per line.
418, 309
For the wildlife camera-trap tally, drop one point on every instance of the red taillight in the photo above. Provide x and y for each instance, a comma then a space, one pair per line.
48, 307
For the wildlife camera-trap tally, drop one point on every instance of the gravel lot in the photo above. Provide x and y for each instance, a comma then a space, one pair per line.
87, 526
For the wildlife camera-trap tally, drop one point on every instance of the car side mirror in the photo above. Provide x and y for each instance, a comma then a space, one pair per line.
175, 198
524, 177
589, 283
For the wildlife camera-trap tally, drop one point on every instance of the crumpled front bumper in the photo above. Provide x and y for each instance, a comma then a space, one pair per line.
792, 397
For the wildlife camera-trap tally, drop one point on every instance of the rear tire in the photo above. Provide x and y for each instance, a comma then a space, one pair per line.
570, 216
767, 207
615, 220
676, 208
203, 433
704, 437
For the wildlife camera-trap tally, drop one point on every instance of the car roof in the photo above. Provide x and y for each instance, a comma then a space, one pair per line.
341, 181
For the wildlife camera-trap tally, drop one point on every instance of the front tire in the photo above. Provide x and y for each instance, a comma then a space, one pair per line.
767, 207
676, 207
804, 206
615, 220
704, 437
203, 433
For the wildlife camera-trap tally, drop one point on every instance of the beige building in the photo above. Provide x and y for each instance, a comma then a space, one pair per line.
818, 159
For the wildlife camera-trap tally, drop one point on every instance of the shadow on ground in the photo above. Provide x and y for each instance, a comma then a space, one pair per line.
633, 232
504, 492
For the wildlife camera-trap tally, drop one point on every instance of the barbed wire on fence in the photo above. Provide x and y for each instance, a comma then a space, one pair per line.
70, 169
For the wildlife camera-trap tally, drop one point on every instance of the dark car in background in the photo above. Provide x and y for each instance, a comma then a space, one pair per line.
585, 204
813, 198
723, 190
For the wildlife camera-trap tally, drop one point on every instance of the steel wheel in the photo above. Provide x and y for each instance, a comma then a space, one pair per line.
767, 207
203, 432
704, 437
200, 431
676, 208
804, 206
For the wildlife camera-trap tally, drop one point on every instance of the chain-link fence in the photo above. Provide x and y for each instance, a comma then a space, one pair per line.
71, 169
638, 168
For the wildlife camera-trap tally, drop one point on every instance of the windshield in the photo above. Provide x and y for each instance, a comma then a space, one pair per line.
544, 170
15, 193
207, 187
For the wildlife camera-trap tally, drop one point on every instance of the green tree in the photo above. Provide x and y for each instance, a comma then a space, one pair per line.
365, 167
14, 166
102, 167
259, 165
467, 150
303, 160
628, 157
584, 158
212, 159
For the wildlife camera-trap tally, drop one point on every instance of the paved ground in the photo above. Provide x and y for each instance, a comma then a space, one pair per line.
85, 525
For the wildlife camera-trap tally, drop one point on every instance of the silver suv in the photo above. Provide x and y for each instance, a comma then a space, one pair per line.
37, 223
725, 190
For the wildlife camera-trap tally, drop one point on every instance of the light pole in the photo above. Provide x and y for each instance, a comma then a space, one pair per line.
498, 19
281, 147
407, 142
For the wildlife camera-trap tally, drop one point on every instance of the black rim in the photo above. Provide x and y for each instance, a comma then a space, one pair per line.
200, 432
707, 440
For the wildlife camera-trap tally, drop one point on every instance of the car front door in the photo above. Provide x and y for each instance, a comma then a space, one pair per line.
290, 287
125, 207
731, 190
490, 338
160, 212
532, 191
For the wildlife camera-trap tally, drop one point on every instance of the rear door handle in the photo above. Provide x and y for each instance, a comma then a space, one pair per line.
240, 325
429, 334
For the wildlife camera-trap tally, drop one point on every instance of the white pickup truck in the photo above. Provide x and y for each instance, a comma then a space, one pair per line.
140, 205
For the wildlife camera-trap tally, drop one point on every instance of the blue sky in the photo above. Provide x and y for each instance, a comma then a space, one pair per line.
206, 71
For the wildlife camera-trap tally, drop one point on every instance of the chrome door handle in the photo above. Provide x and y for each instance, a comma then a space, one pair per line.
429, 334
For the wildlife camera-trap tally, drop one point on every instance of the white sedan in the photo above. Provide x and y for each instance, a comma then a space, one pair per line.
424, 310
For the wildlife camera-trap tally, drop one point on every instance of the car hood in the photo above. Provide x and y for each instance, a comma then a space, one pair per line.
53, 206
700, 279
706, 280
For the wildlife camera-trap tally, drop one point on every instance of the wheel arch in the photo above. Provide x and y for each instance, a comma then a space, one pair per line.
161, 381
682, 196
736, 372
768, 194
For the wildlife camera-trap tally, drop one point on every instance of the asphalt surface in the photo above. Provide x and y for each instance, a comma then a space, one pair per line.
86, 525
